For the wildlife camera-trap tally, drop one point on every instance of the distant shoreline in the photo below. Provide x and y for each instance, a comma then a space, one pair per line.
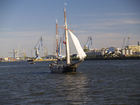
114, 58
88, 58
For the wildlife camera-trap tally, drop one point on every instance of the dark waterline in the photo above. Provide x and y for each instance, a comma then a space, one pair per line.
98, 82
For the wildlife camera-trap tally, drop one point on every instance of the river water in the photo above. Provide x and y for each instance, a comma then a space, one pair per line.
97, 82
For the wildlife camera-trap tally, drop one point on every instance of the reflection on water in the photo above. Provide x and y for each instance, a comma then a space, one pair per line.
95, 83
77, 89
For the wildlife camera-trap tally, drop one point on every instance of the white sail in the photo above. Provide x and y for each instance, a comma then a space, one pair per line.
80, 51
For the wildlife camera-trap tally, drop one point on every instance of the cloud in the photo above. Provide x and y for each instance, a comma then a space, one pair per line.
114, 22
109, 14
119, 24
135, 22
22, 34
108, 21
121, 14
108, 39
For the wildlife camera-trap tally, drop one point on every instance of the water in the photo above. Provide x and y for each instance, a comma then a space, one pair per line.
97, 82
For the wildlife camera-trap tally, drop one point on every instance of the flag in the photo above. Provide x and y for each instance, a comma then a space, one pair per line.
64, 42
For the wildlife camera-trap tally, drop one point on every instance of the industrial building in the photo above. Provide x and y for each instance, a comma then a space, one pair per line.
135, 49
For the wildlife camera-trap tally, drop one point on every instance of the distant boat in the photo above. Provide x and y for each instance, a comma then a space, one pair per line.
31, 61
61, 67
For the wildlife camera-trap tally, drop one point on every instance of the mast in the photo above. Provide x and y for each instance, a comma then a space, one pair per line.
56, 39
66, 39
59, 46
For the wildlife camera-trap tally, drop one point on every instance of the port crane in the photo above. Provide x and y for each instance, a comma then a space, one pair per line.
88, 44
38, 47
126, 42
14, 53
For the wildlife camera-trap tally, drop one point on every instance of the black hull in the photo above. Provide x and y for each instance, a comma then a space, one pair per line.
69, 68
31, 61
65, 68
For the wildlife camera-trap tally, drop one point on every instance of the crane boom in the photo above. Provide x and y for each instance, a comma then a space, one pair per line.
37, 47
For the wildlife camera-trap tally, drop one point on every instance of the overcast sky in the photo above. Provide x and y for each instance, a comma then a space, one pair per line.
22, 22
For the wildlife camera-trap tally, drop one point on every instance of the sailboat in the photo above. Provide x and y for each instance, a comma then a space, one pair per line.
60, 66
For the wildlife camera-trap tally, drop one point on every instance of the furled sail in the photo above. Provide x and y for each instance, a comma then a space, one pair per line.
80, 51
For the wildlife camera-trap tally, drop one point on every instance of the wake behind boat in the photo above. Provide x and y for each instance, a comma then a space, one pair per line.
59, 66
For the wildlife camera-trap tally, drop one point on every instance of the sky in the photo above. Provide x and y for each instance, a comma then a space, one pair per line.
108, 22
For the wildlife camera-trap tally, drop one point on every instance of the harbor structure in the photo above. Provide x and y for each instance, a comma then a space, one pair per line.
87, 46
133, 50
